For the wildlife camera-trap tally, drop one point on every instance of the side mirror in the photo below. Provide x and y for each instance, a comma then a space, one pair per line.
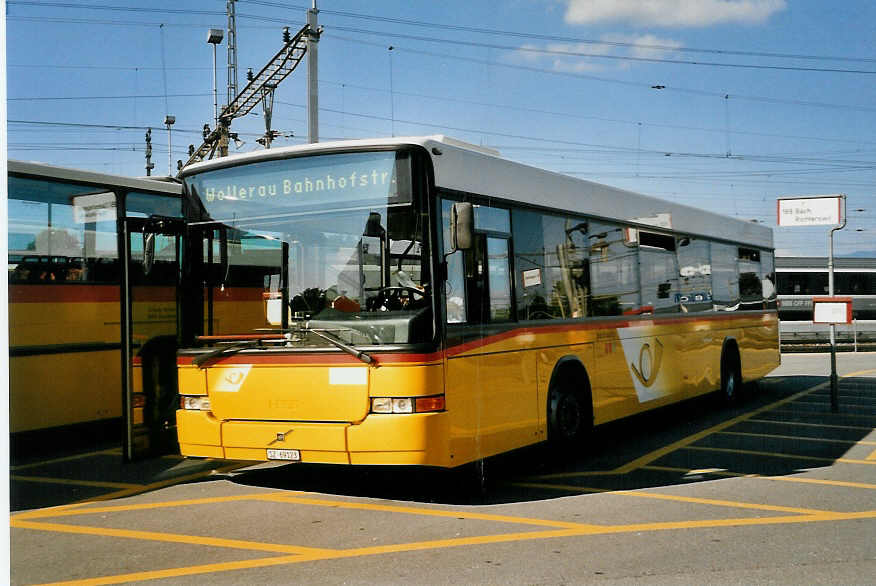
373, 227
148, 252
461, 226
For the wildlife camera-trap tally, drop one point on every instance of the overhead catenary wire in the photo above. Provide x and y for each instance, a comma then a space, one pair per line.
450, 27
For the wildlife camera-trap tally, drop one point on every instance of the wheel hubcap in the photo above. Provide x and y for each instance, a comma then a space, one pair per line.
569, 416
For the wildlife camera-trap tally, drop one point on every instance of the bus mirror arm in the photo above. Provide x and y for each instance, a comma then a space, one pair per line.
148, 252
223, 256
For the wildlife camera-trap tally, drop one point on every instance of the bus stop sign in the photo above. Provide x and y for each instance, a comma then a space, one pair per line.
818, 210
832, 310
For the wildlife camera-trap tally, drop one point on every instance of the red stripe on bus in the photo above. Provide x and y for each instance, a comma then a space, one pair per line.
602, 325
320, 359
63, 293
402, 358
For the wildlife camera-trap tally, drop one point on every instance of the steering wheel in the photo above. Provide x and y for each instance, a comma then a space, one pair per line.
396, 298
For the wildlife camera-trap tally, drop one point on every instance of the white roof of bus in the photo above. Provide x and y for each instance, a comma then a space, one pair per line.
44, 170
472, 169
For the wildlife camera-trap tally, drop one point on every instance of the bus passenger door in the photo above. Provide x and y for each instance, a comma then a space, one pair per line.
491, 382
149, 328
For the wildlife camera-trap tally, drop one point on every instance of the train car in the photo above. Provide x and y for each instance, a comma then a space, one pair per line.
798, 279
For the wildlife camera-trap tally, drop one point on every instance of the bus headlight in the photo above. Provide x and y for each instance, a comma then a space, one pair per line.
200, 403
407, 404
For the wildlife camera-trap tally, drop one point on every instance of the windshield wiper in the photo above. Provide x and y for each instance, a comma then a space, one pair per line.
243, 345
244, 342
337, 342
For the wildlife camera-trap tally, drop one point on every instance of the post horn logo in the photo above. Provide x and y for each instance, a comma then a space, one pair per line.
649, 363
234, 377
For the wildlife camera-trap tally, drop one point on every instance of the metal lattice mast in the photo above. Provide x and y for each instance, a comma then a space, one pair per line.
277, 69
232, 51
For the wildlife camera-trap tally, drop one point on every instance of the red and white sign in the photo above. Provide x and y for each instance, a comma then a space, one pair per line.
819, 210
832, 310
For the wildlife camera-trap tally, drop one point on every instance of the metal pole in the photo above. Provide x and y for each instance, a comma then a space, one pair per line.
215, 91
834, 391
169, 121
855, 333
232, 51
391, 98
312, 76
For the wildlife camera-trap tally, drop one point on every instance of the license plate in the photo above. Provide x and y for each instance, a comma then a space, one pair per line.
290, 455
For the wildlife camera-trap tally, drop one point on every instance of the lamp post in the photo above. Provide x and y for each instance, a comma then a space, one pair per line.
214, 37
834, 392
169, 121
391, 99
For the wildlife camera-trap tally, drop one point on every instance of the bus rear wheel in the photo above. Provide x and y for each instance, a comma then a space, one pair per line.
731, 378
570, 419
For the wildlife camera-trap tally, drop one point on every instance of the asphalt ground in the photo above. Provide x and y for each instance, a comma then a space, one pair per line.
776, 489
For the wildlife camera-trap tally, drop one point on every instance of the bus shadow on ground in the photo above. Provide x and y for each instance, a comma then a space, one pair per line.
768, 433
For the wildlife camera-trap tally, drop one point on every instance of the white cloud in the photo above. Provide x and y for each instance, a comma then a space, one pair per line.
673, 13
645, 45
581, 57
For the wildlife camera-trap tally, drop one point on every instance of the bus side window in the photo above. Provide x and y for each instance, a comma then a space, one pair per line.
552, 272
695, 274
614, 271
499, 279
725, 277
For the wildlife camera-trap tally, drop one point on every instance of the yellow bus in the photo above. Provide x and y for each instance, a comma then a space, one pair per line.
82, 322
421, 301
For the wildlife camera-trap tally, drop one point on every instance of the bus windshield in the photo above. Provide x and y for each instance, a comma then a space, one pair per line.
336, 239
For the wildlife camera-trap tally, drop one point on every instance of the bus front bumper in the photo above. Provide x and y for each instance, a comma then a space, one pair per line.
380, 439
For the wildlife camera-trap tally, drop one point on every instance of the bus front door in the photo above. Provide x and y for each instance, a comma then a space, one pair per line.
149, 325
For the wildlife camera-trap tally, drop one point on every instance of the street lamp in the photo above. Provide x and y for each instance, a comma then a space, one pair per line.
169, 121
214, 37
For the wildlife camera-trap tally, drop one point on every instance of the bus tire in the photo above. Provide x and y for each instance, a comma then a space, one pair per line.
570, 414
731, 374
471, 482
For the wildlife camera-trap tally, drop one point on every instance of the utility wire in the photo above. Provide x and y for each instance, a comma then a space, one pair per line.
156, 96
385, 34
557, 38
640, 85
478, 30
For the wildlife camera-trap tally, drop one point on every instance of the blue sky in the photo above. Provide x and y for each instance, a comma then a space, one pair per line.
759, 98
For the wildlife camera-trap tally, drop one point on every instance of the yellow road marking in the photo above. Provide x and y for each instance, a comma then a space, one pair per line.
872, 455
65, 459
680, 498
826, 413
825, 402
803, 424
859, 373
168, 537
82, 510
456, 514
49, 480
821, 481
776, 455
798, 438
187, 571
468, 541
